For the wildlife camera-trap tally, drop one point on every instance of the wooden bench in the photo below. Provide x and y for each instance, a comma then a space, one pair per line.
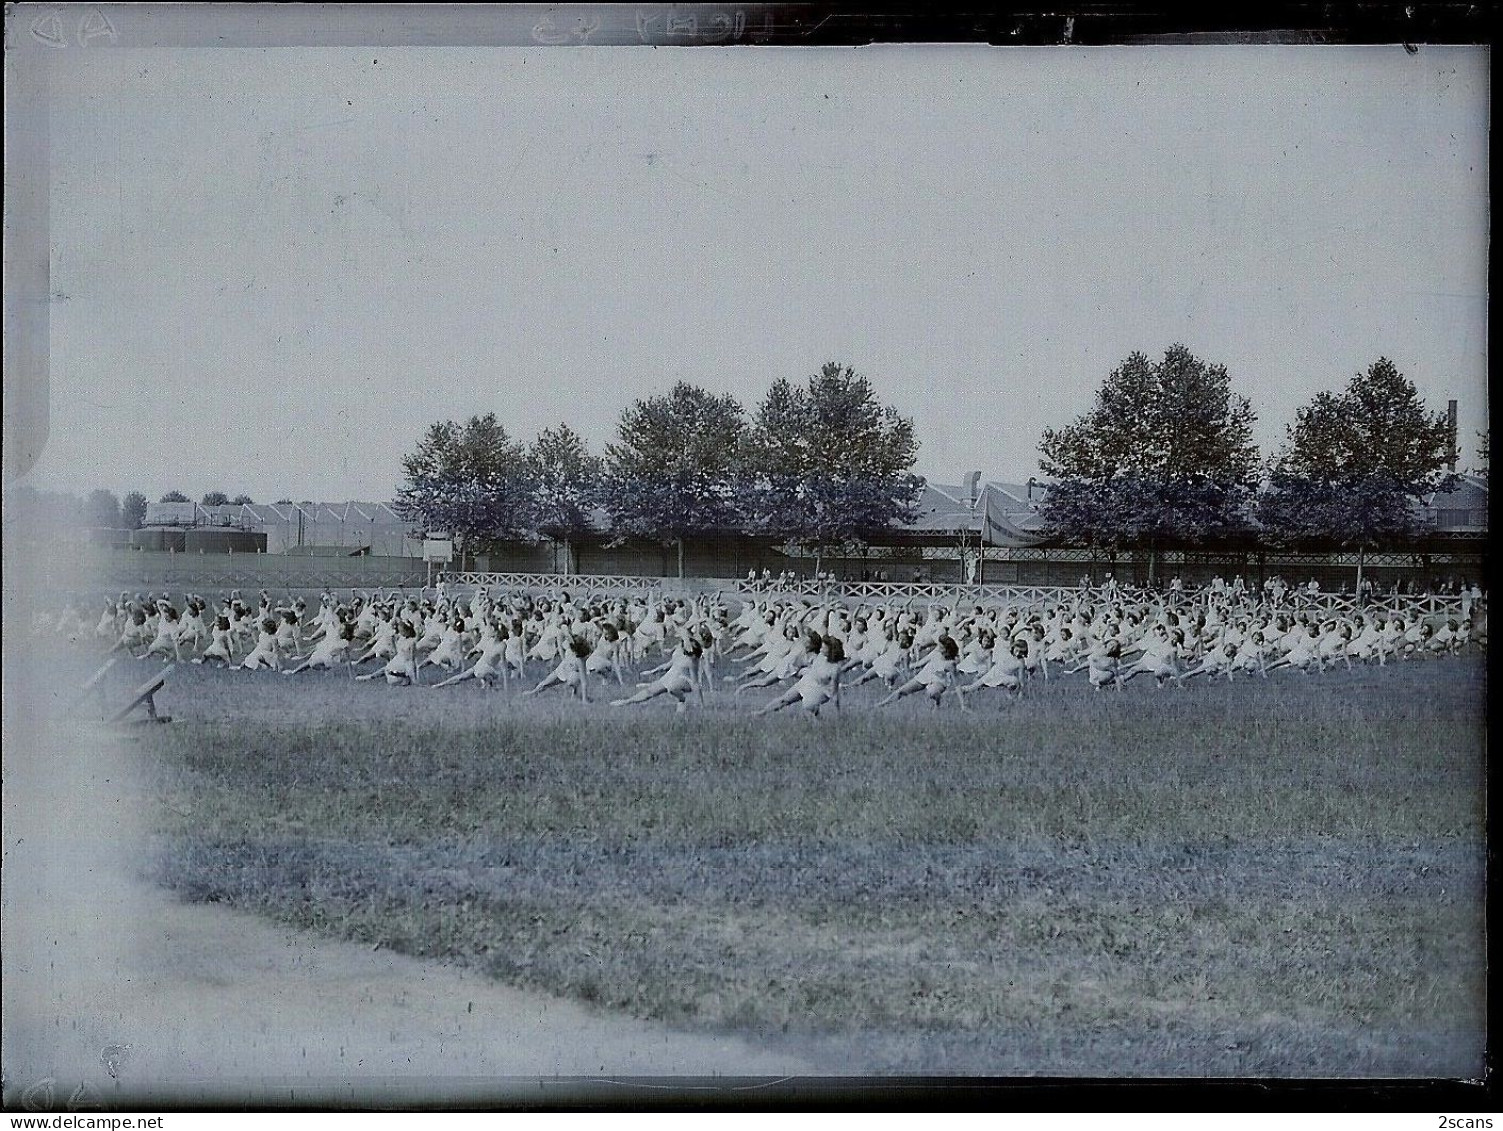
144, 694
92, 683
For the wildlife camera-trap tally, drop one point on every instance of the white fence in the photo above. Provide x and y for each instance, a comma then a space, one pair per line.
1298, 600
555, 582
1406, 606
901, 592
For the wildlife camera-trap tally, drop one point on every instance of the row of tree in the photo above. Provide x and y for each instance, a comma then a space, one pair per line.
1164, 457
821, 464
104, 510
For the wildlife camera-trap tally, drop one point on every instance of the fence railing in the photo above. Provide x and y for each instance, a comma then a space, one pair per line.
549, 582
1429, 604
955, 594
950, 592
1298, 600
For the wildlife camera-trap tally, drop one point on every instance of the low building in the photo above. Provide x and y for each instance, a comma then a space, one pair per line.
333, 529
979, 530
1458, 513
964, 532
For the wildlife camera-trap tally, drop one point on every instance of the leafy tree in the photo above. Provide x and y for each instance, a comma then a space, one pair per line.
1165, 454
1482, 455
284, 502
102, 509
133, 510
1353, 462
671, 473
467, 479
175, 497
565, 483
214, 499
828, 463
241, 500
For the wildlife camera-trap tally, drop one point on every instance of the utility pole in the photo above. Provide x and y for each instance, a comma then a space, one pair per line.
973, 498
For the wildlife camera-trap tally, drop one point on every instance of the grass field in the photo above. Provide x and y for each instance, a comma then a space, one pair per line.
1280, 878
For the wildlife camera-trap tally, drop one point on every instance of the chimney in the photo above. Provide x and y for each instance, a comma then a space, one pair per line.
970, 481
1451, 419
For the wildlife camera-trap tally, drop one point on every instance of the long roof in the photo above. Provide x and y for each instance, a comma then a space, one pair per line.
1467, 490
272, 514
1004, 512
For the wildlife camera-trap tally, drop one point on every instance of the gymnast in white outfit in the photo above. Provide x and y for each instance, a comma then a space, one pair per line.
265, 653
1303, 654
891, 661
605, 657
818, 685
491, 664
137, 632
1006, 665
383, 644
333, 648
449, 653
1157, 660
166, 641
935, 678
1102, 664
402, 667
678, 682
219, 643
570, 672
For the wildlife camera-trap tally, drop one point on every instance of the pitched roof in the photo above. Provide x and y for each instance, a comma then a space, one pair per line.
1468, 491
1003, 514
271, 514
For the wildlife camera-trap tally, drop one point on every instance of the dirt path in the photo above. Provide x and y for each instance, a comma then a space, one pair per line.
103, 973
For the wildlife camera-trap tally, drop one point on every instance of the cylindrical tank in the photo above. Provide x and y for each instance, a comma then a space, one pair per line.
218, 541
158, 538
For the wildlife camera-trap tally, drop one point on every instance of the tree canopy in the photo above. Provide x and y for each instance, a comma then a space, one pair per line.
564, 482
672, 470
214, 499
468, 480
1353, 462
175, 497
133, 510
1163, 457
828, 462
102, 509
1165, 453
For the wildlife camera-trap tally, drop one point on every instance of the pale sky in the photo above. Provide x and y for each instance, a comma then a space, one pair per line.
272, 268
